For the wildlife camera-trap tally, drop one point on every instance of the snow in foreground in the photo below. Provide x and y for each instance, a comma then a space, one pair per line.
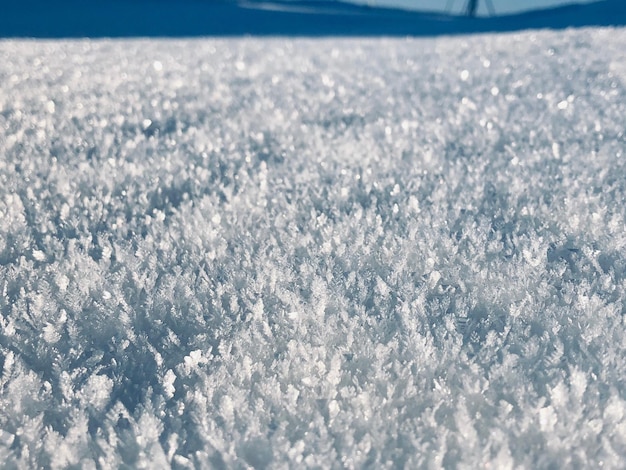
333, 253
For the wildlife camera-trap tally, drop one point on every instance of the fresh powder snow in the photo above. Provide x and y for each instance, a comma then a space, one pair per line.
314, 253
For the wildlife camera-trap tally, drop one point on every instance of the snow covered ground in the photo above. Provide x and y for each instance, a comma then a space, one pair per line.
297, 253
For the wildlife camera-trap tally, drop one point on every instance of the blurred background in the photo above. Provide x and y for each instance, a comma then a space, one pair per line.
185, 18
460, 6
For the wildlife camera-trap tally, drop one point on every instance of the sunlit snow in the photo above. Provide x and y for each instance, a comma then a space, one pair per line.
352, 253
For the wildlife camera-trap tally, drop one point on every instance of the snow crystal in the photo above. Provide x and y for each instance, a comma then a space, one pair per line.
362, 253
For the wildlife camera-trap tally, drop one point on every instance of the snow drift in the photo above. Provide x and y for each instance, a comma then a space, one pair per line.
314, 253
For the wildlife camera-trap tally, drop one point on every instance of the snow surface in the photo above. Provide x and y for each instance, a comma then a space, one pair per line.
314, 253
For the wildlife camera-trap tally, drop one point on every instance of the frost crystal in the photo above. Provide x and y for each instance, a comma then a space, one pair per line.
359, 253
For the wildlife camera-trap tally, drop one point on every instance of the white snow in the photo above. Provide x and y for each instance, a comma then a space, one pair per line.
359, 253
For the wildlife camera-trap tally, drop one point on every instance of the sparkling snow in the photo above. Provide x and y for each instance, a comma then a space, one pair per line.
297, 253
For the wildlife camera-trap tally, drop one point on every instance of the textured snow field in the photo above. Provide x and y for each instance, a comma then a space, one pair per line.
314, 253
